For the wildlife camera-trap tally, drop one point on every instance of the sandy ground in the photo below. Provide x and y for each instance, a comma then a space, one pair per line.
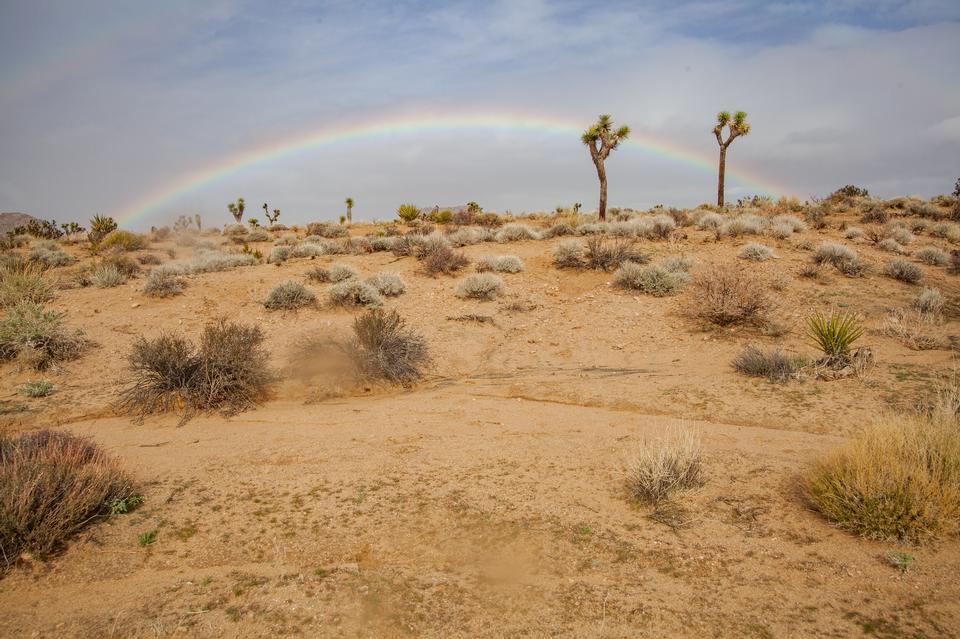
488, 501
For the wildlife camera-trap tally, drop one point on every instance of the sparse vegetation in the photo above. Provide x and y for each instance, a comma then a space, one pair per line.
482, 286
37, 337
289, 295
385, 347
52, 484
227, 371
163, 283
899, 479
773, 364
36, 388
24, 282
665, 465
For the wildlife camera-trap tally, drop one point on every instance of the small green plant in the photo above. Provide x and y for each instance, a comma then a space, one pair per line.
835, 333
100, 227
147, 538
408, 212
125, 505
36, 388
899, 559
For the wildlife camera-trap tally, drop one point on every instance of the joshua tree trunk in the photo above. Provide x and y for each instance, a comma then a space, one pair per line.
602, 174
723, 170
349, 215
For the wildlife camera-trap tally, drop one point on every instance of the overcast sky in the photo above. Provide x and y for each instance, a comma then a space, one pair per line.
104, 103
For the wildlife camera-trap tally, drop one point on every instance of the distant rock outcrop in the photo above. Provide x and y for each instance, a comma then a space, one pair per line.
10, 221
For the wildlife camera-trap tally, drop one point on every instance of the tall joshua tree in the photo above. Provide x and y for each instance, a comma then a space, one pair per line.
236, 209
349, 203
601, 139
736, 127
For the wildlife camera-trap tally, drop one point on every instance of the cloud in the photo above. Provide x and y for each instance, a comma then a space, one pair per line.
124, 101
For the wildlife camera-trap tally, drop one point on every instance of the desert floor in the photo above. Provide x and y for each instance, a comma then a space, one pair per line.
488, 500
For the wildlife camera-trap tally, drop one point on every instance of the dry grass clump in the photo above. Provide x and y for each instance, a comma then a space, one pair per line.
568, 254
606, 254
899, 479
327, 230
903, 271
279, 254
163, 283
658, 280
482, 286
890, 245
383, 347
289, 295
353, 292
38, 337
773, 364
149, 259
122, 240
854, 233
106, 275
127, 266
389, 284
710, 222
209, 261
727, 295
833, 253
341, 273
756, 252
24, 282
913, 328
665, 465
932, 255
500, 264
50, 255
745, 224
52, 484
947, 231
516, 233
930, 300
227, 371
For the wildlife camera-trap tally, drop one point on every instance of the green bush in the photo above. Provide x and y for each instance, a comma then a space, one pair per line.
408, 212
124, 241
835, 333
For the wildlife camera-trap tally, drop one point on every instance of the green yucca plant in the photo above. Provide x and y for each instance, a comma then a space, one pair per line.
834, 333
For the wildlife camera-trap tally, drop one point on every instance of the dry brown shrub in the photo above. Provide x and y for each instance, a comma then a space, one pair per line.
728, 295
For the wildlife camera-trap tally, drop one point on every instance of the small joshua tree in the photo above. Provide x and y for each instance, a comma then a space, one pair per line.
736, 127
601, 139
273, 218
956, 204
576, 207
236, 209
198, 221
349, 203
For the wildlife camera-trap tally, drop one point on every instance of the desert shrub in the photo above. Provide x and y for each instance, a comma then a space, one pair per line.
500, 264
52, 484
930, 300
947, 231
665, 465
125, 265
849, 191
756, 252
773, 364
318, 274
341, 272
794, 223
327, 230
746, 224
903, 271
516, 232
710, 222
678, 263
405, 245
316, 249
234, 229
289, 295
727, 295
482, 286
912, 327
207, 261
780, 231
50, 255
122, 240
899, 479
901, 235
381, 244
854, 233
383, 347
353, 292
106, 276
470, 235
656, 279
568, 254
832, 253
163, 283
36, 388
388, 284
559, 230
38, 336
834, 334
874, 216
287, 239
605, 254
890, 245
658, 227
279, 254
24, 282
442, 259
259, 235
227, 371
932, 255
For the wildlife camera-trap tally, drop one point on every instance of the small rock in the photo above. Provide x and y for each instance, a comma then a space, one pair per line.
135, 305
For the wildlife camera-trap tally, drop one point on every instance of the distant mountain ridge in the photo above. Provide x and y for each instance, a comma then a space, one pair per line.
11, 220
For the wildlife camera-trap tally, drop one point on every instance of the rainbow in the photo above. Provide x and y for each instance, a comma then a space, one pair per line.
407, 125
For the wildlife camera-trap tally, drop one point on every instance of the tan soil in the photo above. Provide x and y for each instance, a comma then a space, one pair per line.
488, 501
